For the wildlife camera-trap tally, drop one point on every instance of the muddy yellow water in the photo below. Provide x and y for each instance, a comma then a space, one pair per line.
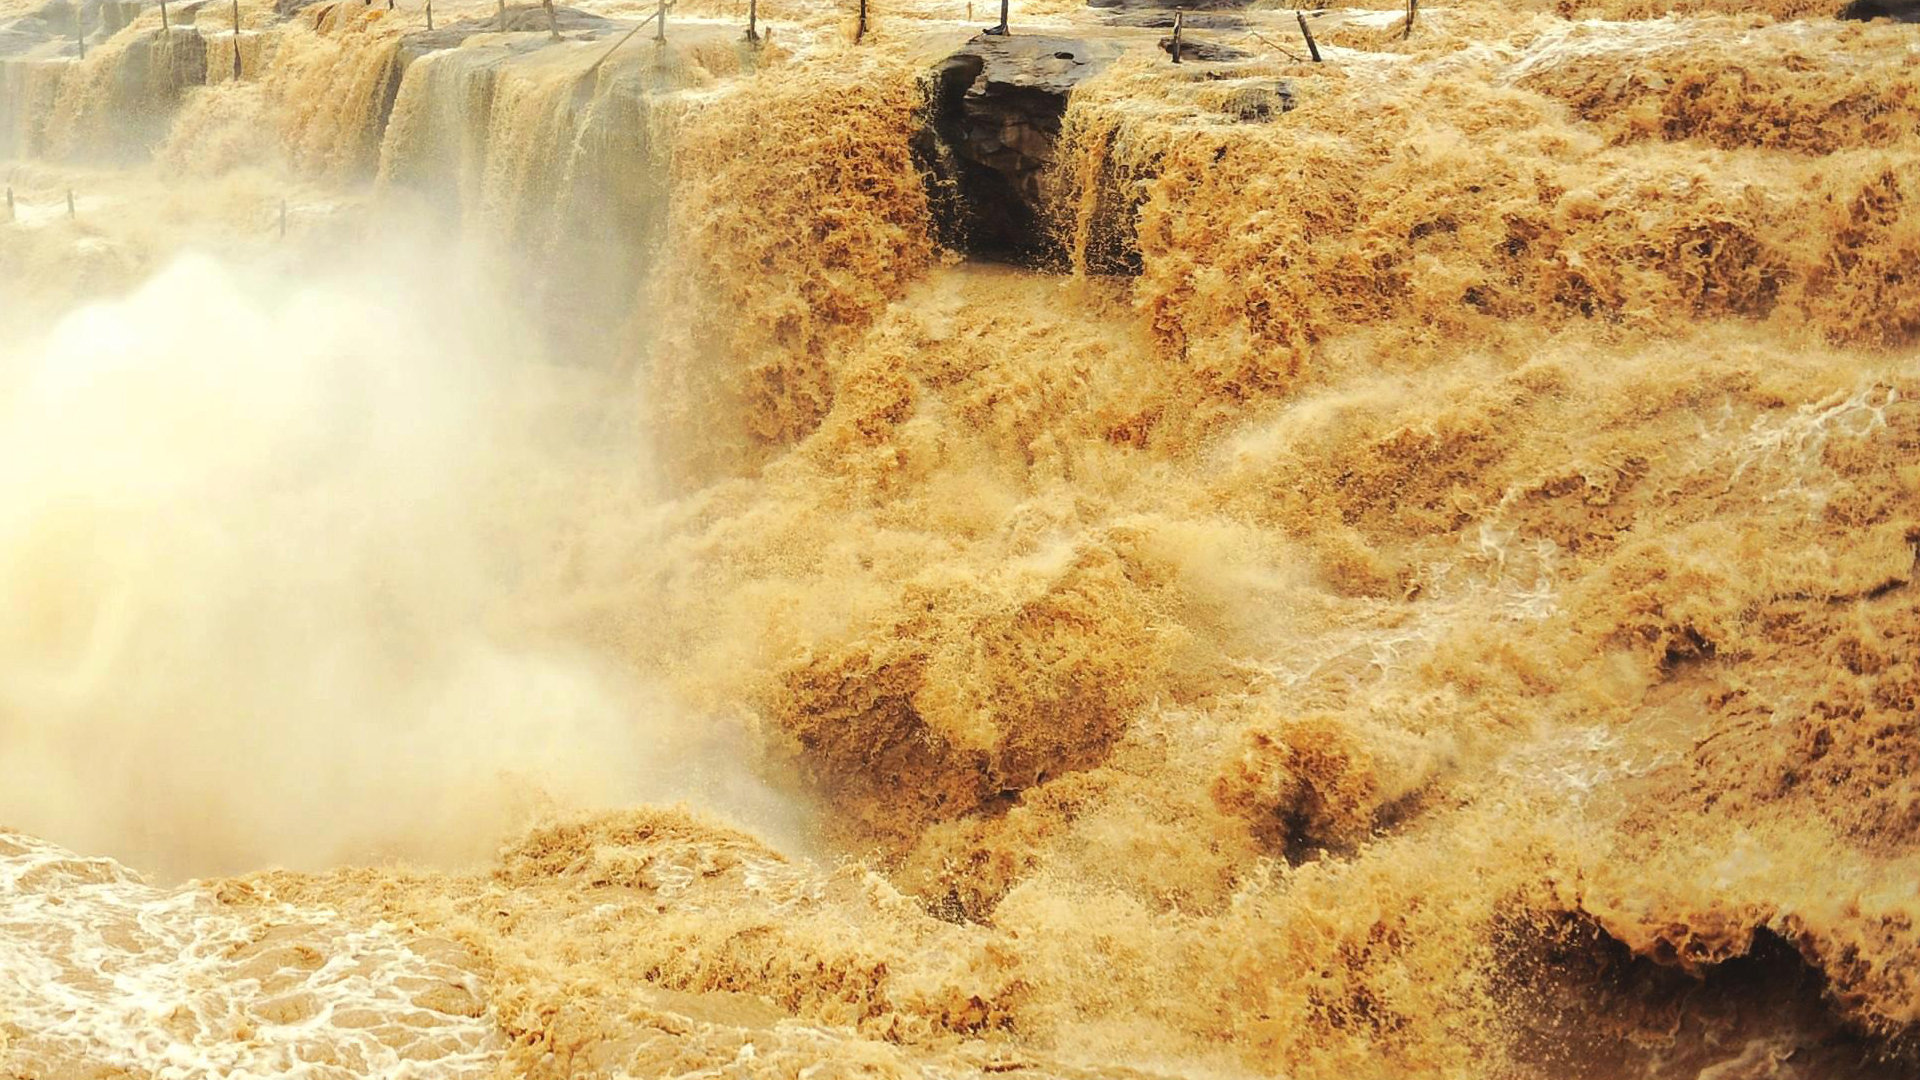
521, 560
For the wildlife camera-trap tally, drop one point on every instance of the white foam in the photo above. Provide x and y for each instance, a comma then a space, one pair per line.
98, 968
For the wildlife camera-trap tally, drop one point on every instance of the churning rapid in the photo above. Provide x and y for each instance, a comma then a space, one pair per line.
578, 543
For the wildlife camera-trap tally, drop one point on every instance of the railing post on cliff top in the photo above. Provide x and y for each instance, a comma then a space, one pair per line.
1413, 8
429, 14
236, 40
9, 202
1003, 18
753, 17
660, 25
283, 219
1178, 18
860, 28
1306, 32
71, 213
164, 25
501, 19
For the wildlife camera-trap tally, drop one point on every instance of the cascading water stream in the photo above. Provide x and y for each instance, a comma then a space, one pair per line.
617, 558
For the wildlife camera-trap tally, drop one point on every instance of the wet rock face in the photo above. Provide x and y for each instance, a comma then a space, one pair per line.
1898, 10
1163, 20
1207, 52
1260, 104
992, 135
994, 128
1167, 5
573, 24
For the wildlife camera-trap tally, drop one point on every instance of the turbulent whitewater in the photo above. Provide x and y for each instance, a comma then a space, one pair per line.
607, 557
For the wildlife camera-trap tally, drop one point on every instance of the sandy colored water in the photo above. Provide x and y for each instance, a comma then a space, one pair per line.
606, 595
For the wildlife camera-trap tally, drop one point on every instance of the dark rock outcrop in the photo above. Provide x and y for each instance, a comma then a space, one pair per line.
993, 130
1259, 104
1163, 20
1169, 5
1898, 10
1205, 52
989, 145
